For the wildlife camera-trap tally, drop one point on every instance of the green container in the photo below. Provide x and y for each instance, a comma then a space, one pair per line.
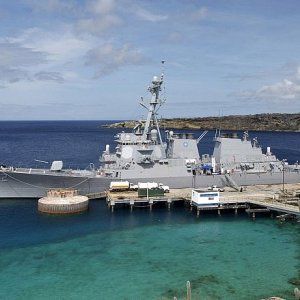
154, 192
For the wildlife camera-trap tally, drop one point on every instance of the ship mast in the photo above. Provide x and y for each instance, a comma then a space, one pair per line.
153, 107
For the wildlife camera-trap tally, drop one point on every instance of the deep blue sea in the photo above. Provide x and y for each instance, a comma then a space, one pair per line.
138, 255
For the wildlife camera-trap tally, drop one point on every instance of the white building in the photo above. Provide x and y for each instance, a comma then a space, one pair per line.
205, 198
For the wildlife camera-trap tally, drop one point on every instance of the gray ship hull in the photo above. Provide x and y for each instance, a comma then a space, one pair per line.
24, 185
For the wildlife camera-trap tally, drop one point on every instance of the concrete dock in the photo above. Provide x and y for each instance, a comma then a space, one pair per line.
131, 198
259, 198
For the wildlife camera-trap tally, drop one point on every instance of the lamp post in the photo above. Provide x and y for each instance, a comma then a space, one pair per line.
283, 169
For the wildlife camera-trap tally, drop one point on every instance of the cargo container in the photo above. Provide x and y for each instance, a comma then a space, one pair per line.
154, 192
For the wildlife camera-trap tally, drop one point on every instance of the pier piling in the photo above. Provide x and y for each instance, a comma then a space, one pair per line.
131, 204
169, 204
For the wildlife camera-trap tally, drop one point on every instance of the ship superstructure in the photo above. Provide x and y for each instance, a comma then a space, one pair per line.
144, 153
233, 154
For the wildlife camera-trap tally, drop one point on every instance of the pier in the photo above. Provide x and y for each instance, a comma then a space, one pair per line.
132, 199
254, 200
254, 203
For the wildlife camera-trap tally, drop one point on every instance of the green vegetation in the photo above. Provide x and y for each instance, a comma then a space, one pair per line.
258, 122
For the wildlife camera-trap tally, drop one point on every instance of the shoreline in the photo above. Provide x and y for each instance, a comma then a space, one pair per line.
259, 122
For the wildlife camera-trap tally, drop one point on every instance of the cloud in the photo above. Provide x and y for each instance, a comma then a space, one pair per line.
287, 89
51, 5
174, 37
61, 45
89, 17
15, 55
101, 6
14, 61
199, 14
11, 75
98, 25
49, 76
100, 16
107, 58
19, 63
146, 15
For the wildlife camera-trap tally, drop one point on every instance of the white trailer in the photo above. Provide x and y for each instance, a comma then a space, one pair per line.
153, 185
204, 198
119, 186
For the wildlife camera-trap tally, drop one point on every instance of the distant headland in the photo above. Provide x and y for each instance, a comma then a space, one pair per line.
257, 122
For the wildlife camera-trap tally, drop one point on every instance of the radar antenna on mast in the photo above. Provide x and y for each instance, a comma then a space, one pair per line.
154, 104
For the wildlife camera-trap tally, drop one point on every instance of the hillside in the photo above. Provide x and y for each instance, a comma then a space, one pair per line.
258, 122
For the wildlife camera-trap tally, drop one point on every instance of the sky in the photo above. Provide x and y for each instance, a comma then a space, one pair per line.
94, 59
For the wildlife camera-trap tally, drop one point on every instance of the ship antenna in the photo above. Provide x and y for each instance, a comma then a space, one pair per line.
163, 66
218, 130
162, 76
154, 104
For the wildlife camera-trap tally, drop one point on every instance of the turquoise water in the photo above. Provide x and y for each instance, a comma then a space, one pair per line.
143, 255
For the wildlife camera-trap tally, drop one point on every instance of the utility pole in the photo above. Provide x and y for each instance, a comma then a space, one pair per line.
283, 169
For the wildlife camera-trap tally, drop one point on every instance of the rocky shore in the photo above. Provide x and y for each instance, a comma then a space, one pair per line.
258, 122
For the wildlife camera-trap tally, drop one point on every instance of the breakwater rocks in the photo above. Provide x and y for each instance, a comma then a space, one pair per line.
258, 122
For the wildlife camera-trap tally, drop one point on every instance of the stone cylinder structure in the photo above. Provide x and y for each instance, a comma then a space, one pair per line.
62, 201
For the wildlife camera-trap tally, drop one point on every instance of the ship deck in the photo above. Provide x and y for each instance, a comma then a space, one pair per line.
64, 172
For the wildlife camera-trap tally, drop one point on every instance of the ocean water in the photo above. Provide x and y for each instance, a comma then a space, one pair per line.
138, 255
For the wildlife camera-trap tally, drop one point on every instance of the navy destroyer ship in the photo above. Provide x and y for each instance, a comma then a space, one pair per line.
142, 155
